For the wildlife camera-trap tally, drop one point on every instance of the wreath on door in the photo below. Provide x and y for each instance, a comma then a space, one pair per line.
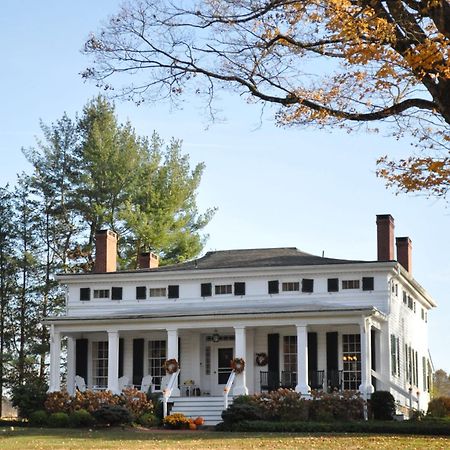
262, 359
238, 365
171, 366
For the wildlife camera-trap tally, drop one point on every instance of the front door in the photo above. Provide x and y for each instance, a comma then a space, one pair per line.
222, 356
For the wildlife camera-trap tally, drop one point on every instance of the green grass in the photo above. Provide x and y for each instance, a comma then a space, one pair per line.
133, 439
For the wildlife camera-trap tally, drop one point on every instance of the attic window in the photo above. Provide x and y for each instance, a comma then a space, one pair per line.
239, 288
116, 293
221, 289
158, 292
174, 291
290, 286
367, 283
101, 293
333, 284
85, 294
141, 293
273, 287
307, 285
350, 284
206, 290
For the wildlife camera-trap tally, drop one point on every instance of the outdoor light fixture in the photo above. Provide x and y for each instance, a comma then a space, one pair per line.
215, 336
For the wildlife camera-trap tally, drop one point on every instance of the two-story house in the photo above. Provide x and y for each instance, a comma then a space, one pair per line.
297, 320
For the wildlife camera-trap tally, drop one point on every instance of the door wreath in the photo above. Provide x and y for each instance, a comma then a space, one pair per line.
171, 366
262, 359
238, 365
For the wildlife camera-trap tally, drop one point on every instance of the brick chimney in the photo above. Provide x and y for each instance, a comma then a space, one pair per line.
105, 251
148, 260
404, 252
385, 237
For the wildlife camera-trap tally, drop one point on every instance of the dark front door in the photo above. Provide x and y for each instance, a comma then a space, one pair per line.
224, 357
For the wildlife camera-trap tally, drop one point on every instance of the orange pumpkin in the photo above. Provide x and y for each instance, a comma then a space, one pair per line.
192, 426
199, 421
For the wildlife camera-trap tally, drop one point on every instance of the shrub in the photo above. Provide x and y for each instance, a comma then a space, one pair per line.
347, 405
58, 402
29, 397
81, 418
112, 415
176, 421
136, 402
38, 418
382, 405
237, 412
439, 407
156, 399
148, 420
58, 420
93, 401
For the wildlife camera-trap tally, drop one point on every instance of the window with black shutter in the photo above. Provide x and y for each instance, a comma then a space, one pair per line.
273, 287
85, 294
239, 288
367, 283
333, 284
141, 292
116, 293
206, 289
307, 285
174, 291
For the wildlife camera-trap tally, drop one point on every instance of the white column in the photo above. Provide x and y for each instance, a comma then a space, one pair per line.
113, 362
240, 383
55, 360
172, 353
70, 365
302, 360
366, 387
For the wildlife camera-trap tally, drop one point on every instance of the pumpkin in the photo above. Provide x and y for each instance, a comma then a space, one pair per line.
192, 426
199, 421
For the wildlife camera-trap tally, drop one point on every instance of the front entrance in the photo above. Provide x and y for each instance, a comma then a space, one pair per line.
222, 353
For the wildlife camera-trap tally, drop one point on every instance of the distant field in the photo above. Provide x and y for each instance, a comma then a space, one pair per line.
33, 438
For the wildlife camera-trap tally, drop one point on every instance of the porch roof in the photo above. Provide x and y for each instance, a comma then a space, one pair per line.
180, 311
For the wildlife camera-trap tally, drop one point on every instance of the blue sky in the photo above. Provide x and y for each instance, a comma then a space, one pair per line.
273, 187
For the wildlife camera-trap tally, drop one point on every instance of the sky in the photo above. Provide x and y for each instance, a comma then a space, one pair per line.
273, 187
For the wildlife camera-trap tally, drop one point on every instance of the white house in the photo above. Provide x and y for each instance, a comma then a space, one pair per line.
296, 319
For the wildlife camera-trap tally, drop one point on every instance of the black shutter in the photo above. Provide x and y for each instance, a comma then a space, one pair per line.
85, 294
121, 357
81, 358
138, 361
333, 378
367, 284
239, 288
273, 287
174, 291
312, 351
116, 293
333, 284
273, 364
307, 285
373, 352
206, 289
141, 293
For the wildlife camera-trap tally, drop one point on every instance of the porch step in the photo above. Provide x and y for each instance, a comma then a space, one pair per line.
210, 408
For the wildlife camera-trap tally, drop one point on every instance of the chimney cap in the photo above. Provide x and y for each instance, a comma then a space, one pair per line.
384, 217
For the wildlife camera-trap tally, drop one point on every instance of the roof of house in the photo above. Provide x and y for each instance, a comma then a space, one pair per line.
259, 257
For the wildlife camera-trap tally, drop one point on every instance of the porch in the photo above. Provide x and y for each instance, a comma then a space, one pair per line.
321, 352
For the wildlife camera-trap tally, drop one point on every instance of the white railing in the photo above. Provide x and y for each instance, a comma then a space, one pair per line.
227, 388
167, 392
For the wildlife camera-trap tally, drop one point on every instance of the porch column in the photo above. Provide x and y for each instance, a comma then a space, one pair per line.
70, 365
55, 360
366, 387
240, 384
113, 362
302, 386
172, 353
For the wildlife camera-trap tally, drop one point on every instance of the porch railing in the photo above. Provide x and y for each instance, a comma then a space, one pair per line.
167, 392
227, 388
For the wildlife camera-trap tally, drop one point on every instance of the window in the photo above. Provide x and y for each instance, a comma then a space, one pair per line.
100, 363
174, 291
206, 289
85, 294
333, 284
221, 289
410, 303
116, 293
101, 293
141, 293
351, 355
156, 358
273, 287
158, 292
239, 288
290, 354
307, 285
405, 298
395, 355
350, 284
367, 284
290, 286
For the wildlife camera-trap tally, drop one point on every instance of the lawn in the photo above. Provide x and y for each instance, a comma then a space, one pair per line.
33, 438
